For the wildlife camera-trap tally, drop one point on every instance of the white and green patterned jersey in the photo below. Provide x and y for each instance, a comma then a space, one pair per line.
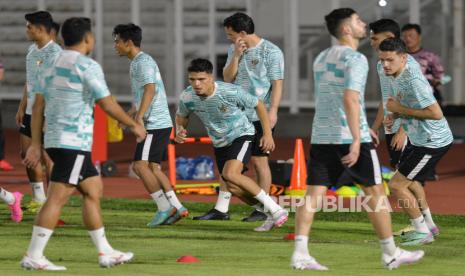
35, 59
71, 86
413, 90
144, 70
386, 90
258, 67
337, 69
222, 113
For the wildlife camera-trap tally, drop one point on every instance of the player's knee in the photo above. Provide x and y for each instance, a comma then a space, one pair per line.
139, 166
398, 182
57, 200
155, 167
229, 176
94, 194
375, 190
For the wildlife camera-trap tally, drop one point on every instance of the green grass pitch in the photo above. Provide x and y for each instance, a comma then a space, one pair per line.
345, 242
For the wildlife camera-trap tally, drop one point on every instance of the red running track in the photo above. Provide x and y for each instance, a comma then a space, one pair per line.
445, 196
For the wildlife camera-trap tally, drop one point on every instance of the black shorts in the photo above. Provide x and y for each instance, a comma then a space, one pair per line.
25, 127
240, 149
325, 166
395, 155
256, 150
154, 146
71, 166
419, 162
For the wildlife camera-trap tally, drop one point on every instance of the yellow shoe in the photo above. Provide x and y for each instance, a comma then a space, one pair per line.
404, 230
34, 206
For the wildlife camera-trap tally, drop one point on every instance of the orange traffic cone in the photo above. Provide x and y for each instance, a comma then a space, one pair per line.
298, 183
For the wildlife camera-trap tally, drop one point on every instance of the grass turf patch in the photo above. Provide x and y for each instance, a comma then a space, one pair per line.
345, 242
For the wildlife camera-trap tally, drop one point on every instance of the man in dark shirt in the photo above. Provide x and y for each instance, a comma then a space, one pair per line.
430, 63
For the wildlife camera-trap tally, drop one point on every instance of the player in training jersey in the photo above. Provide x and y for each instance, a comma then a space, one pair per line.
220, 106
40, 54
396, 137
341, 141
257, 65
66, 94
411, 101
150, 108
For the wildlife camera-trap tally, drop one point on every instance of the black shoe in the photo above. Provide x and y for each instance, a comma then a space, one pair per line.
255, 216
213, 214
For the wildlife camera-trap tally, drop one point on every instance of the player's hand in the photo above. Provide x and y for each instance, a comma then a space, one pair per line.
139, 131
239, 47
398, 141
267, 143
393, 105
181, 134
374, 135
352, 157
273, 117
33, 156
19, 118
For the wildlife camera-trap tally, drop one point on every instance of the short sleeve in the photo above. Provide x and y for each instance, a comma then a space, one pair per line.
422, 93
183, 111
94, 80
43, 77
275, 65
230, 54
356, 73
145, 73
246, 100
39, 85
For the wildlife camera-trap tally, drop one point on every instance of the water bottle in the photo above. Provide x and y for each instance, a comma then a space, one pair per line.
204, 168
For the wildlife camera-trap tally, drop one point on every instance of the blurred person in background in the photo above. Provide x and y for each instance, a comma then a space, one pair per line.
430, 63
4, 165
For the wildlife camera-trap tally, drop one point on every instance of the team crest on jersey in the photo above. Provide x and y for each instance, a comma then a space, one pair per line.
223, 108
254, 62
39, 62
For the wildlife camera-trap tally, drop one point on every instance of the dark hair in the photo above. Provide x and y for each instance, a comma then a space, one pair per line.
385, 25
56, 27
410, 26
239, 22
335, 18
40, 18
129, 32
74, 29
200, 65
393, 45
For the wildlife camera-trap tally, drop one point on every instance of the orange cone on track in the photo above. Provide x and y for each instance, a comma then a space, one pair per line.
298, 183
